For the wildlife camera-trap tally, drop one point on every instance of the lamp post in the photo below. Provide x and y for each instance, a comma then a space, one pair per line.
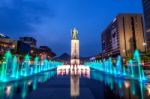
124, 58
144, 44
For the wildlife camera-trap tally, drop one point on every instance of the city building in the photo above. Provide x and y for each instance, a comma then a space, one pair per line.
146, 7
46, 52
34, 52
23, 48
45, 49
99, 56
6, 44
124, 35
29, 40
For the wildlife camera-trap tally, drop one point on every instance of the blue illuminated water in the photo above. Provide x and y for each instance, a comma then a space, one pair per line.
133, 69
12, 69
48, 85
38, 80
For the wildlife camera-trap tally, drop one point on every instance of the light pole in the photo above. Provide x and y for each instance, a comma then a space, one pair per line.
124, 58
144, 44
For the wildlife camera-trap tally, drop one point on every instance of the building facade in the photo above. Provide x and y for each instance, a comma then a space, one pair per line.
6, 44
146, 7
124, 35
46, 52
23, 48
29, 40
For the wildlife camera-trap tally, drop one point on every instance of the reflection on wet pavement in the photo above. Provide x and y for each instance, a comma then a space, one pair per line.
49, 85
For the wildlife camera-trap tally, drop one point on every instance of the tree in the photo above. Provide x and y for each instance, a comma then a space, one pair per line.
146, 57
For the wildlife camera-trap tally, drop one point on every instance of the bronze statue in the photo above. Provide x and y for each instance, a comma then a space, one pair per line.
74, 33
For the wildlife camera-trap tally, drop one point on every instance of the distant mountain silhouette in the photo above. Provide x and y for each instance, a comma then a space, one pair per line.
65, 57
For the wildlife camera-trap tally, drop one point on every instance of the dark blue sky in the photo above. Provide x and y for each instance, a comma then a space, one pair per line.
50, 21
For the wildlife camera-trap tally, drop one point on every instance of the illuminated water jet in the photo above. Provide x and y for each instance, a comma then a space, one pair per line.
133, 70
11, 69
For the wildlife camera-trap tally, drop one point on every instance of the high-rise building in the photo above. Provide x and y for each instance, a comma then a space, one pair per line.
29, 40
6, 44
46, 52
23, 48
146, 7
45, 49
123, 36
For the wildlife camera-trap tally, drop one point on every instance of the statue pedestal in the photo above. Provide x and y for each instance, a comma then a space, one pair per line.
75, 52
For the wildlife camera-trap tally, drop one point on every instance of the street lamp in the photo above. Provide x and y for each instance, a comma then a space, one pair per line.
144, 44
124, 51
125, 55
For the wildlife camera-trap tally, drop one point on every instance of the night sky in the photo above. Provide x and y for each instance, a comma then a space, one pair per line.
50, 21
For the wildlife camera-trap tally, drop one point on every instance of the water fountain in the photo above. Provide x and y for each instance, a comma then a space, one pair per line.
36, 61
12, 69
138, 61
133, 70
5, 65
15, 67
119, 65
26, 65
122, 87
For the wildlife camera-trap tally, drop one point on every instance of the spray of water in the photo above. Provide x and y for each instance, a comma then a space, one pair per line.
11, 70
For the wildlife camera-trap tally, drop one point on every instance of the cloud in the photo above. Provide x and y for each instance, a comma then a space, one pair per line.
19, 16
